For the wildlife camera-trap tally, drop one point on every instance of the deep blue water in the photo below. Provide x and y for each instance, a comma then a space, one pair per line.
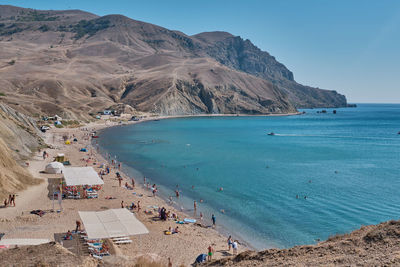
346, 164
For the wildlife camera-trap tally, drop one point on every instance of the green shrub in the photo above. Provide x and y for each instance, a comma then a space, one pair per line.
44, 28
90, 27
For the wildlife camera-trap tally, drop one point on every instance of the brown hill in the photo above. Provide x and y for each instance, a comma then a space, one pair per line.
73, 63
373, 245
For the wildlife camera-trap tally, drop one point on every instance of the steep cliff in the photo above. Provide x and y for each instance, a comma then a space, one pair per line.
18, 140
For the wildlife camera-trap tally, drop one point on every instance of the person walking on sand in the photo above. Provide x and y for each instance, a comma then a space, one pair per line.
169, 262
133, 183
213, 219
138, 206
122, 204
210, 252
9, 199
119, 180
13, 200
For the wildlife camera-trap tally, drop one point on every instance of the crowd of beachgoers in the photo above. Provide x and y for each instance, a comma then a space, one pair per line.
173, 234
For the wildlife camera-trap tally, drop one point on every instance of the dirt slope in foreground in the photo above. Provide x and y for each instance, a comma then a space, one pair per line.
373, 245
50, 254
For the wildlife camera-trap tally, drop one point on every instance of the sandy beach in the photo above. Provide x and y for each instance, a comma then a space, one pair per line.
182, 248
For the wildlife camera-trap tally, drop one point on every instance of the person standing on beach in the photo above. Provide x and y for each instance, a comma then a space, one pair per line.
213, 219
195, 205
169, 262
210, 252
122, 204
133, 183
13, 200
154, 190
138, 206
78, 226
235, 247
229, 243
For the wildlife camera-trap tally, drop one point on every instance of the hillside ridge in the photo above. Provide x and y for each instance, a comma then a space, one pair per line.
58, 62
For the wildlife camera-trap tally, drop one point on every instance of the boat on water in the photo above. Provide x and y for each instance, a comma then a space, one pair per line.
271, 133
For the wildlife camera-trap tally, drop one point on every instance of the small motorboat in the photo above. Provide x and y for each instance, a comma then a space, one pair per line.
271, 133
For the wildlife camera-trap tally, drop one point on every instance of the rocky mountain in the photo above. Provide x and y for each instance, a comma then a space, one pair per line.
74, 63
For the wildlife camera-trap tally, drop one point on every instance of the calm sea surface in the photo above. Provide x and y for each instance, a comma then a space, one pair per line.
347, 166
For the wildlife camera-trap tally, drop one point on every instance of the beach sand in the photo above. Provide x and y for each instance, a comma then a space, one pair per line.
182, 248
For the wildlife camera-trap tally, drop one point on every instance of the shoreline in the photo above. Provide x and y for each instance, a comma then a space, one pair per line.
17, 222
224, 231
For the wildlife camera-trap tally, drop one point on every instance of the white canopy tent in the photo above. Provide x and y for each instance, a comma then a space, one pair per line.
81, 176
111, 223
54, 167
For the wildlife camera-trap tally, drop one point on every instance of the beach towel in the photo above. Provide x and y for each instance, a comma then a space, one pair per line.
188, 220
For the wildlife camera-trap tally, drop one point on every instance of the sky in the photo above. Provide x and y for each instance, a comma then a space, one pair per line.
351, 46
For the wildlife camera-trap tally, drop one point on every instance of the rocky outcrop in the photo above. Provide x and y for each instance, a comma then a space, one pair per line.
19, 132
373, 245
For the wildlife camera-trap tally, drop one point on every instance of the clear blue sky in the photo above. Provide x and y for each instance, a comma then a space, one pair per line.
351, 46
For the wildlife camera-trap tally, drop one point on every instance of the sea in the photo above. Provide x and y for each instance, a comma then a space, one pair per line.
319, 175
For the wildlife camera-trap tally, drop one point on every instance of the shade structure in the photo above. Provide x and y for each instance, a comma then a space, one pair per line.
81, 176
111, 223
54, 167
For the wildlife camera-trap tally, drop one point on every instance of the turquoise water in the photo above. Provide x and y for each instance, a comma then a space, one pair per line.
346, 164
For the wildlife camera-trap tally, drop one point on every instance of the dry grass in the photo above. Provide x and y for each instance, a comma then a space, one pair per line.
145, 262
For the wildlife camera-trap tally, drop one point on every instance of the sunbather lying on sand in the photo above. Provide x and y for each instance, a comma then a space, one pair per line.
38, 212
128, 186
